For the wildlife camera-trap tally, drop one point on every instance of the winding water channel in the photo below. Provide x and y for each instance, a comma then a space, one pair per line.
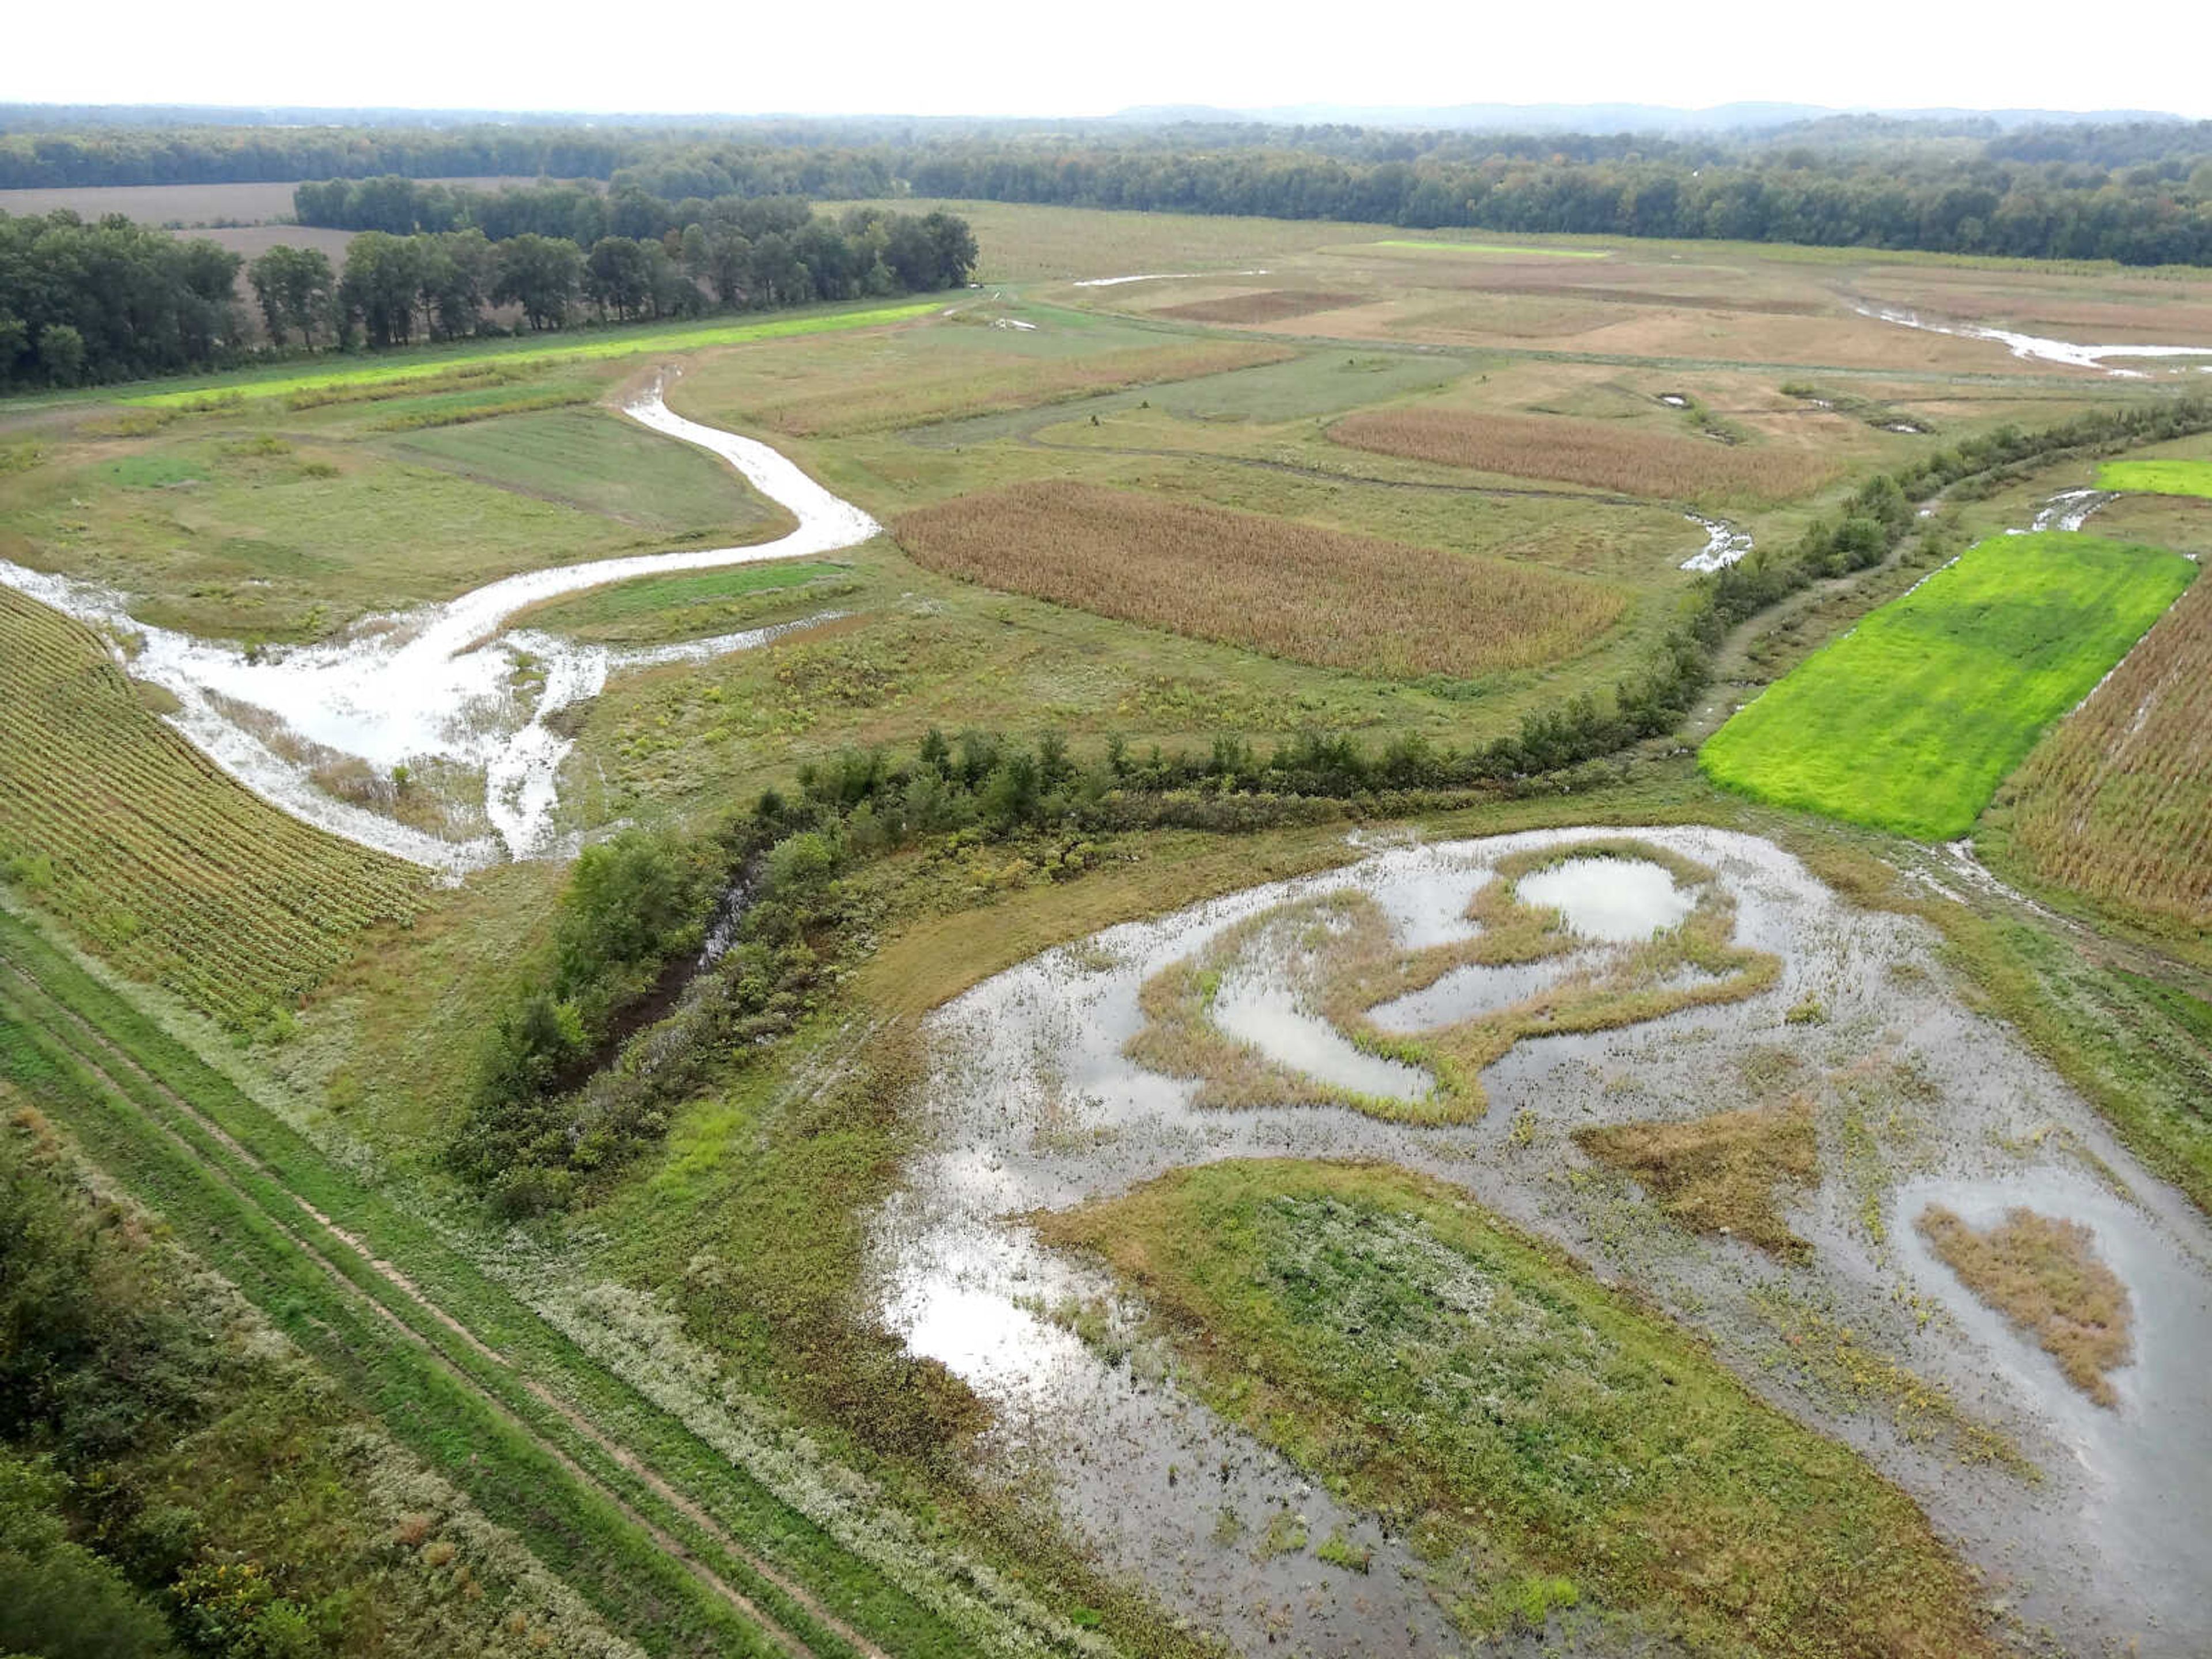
443, 681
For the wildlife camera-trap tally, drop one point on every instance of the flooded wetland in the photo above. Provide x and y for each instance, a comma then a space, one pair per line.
2087, 1520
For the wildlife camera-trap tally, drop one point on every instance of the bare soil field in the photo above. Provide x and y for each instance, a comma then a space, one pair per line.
1273, 306
187, 205
1288, 589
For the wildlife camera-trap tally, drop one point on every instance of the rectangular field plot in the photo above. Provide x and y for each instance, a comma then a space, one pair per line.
2157, 478
1911, 722
1288, 589
2116, 802
1605, 455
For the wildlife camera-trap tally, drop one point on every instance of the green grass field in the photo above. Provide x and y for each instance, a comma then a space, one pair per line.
1910, 722
2158, 477
619, 345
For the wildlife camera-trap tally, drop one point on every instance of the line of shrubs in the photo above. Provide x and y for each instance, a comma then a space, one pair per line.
584, 1069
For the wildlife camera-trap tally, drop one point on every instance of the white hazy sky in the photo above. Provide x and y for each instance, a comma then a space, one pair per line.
864, 56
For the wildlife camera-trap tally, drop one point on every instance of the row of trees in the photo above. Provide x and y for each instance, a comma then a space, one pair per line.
109, 301
440, 284
85, 303
2029, 212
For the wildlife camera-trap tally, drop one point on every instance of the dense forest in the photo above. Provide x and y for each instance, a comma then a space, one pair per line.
2041, 193
83, 303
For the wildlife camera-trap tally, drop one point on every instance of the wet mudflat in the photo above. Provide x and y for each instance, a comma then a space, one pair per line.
1034, 1106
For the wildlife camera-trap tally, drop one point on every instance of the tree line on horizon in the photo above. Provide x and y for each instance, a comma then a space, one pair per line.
85, 303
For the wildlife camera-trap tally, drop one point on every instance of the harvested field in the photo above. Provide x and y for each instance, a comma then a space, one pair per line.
2043, 1275
155, 858
2116, 802
805, 410
1910, 722
1292, 590
1272, 306
1718, 1174
1602, 454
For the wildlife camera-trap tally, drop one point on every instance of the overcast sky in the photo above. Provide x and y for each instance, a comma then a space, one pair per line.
1085, 59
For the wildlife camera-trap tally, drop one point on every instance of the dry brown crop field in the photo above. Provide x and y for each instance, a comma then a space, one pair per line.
1272, 306
157, 861
984, 384
1288, 589
2116, 801
1606, 455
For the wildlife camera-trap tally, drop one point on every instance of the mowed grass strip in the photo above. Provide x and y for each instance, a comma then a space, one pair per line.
1911, 722
1515, 1420
156, 860
2116, 802
621, 344
2157, 478
1322, 597
1513, 250
1604, 454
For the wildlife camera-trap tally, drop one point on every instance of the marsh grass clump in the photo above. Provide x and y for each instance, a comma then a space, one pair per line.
2043, 1274
1338, 952
1520, 1425
1719, 1174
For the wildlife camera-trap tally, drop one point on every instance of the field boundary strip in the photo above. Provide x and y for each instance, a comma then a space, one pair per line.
629, 346
219, 1161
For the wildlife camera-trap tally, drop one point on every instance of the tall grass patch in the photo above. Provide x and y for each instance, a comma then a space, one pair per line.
1291, 590
2116, 802
1911, 722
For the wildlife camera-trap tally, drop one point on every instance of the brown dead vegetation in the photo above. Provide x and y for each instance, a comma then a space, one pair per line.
1605, 455
1338, 953
1272, 306
1292, 590
1718, 1174
2043, 1274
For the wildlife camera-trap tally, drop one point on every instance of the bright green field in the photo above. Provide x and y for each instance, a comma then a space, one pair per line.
623, 344
2158, 477
1911, 720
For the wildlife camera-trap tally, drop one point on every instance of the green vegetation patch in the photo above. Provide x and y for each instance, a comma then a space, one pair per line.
682, 607
1481, 1392
1911, 722
626, 343
2157, 478
598, 462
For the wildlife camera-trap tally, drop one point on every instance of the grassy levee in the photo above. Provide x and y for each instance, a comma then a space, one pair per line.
118, 1082
1910, 722
617, 343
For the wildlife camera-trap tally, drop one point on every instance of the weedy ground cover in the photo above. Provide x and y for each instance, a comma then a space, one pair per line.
1911, 722
1291, 590
2158, 477
1535, 1429
161, 862
2043, 1274
1607, 455
1719, 1174
1518, 250
661, 608
2116, 803
1271, 307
